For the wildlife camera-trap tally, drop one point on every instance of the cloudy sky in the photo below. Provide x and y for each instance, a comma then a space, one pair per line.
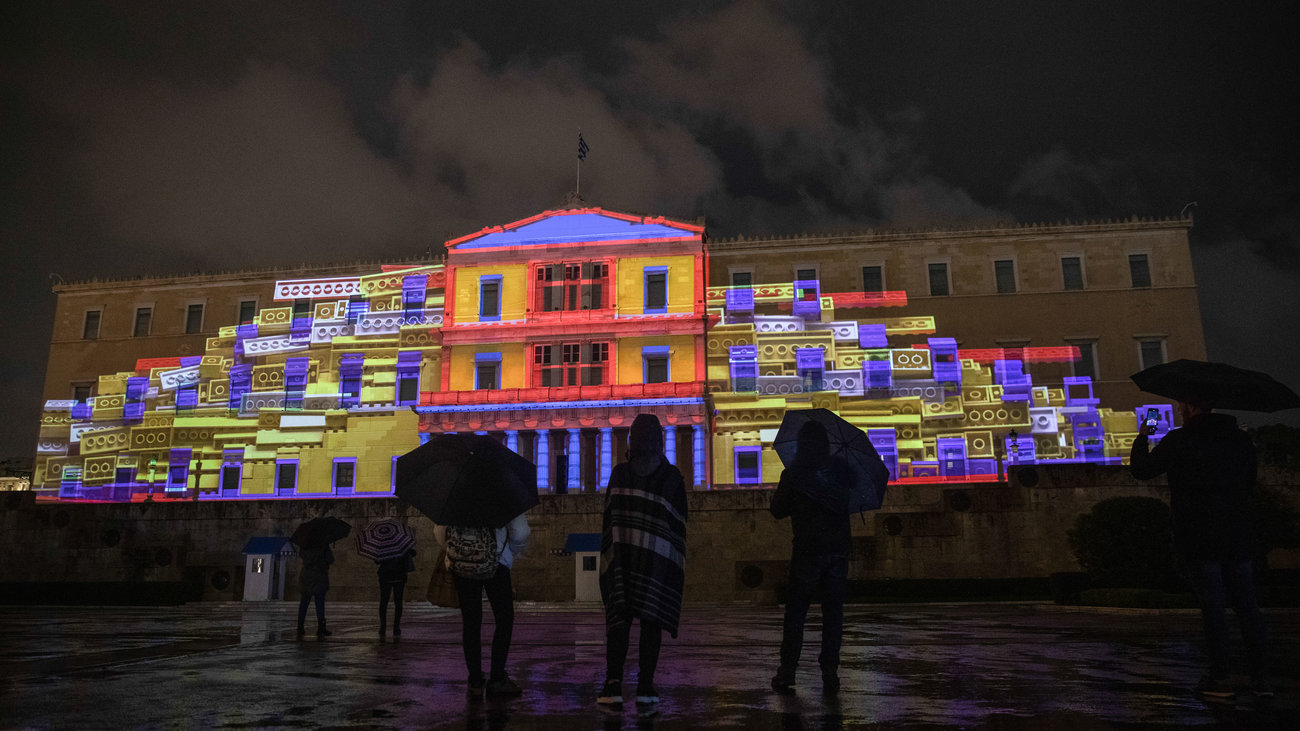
158, 137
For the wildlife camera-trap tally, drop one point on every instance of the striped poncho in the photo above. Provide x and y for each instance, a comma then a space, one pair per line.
643, 546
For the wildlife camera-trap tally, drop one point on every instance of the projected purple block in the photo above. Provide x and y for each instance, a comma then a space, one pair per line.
810, 365
413, 293
952, 456
300, 329
872, 336
1089, 435
351, 366
885, 440
295, 382
743, 360
187, 399
136, 389
178, 469
877, 375
1078, 391
1021, 450
807, 299
1016, 384
242, 333
241, 382
943, 360
356, 308
408, 377
740, 301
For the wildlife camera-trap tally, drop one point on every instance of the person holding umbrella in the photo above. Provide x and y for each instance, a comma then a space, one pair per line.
391, 545
1211, 465
642, 559
313, 539
476, 491
831, 471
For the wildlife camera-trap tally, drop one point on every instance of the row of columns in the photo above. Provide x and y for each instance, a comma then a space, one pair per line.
605, 455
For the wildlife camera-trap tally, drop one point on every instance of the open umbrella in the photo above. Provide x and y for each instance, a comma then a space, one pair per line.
385, 538
1223, 386
466, 480
319, 532
854, 477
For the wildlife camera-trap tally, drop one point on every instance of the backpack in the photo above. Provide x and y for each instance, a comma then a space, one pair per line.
472, 553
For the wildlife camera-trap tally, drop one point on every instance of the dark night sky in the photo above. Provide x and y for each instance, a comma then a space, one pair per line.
150, 137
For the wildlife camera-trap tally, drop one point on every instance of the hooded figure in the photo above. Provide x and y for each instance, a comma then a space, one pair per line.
642, 557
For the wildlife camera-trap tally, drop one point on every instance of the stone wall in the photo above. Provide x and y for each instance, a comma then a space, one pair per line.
735, 550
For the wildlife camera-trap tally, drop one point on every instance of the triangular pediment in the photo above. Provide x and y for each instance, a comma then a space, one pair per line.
578, 225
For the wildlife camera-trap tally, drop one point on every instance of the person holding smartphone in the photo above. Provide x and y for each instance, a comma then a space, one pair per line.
1211, 466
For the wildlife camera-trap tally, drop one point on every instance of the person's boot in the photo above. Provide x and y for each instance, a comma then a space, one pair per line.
321, 631
301, 630
783, 681
383, 628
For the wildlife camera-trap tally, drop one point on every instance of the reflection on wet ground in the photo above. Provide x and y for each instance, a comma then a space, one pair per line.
1003, 666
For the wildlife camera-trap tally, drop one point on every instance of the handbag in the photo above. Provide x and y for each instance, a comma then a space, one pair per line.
442, 585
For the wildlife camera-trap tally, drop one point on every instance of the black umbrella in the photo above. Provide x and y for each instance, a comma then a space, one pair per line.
853, 478
1221, 385
466, 480
319, 532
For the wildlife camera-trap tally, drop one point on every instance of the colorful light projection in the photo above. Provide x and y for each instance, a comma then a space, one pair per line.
553, 333
933, 411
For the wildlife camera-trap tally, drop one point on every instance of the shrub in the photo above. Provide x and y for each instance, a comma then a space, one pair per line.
1125, 542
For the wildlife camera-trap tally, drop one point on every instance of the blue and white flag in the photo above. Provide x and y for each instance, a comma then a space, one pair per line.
582, 147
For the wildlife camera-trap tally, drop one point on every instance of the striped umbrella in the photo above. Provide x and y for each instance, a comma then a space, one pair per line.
385, 538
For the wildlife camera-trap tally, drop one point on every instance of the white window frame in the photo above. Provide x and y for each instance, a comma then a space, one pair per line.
1015, 274
733, 271
203, 316
239, 306
1096, 360
817, 270
99, 329
1083, 270
884, 277
135, 316
947, 270
1128, 268
1164, 348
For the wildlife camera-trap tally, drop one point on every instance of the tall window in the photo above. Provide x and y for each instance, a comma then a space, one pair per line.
90, 327
1151, 352
1086, 365
873, 279
938, 278
570, 364
1072, 272
286, 477
742, 279
656, 290
1139, 270
345, 475
247, 311
655, 366
301, 308
489, 298
571, 286
487, 374
231, 474
1004, 271
81, 392
748, 465
805, 274
143, 316
193, 319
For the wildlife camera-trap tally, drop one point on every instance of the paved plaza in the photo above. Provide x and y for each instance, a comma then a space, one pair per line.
992, 666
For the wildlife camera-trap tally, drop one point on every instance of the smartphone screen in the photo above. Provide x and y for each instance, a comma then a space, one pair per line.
1153, 417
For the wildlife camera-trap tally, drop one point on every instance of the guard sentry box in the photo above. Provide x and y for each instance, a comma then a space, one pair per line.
264, 568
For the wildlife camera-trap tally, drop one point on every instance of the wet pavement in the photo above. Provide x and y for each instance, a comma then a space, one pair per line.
992, 666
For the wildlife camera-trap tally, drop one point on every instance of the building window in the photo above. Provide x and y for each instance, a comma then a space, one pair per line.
742, 278
408, 390
873, 279
82, 392
487, 371
231, 475
571, 286
805, 273
247, 311
1086, 365
143, 317
570, 364
345, 475
194, 319
489, 298
1004, 272
1151, 352
1139, 270
286, 477
593, 374
90, 326
656, 290
302, 308
654, 364
1072, 272
392, 474
938, 278
748, 465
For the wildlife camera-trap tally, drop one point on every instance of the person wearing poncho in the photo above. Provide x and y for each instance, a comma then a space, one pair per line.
642, 557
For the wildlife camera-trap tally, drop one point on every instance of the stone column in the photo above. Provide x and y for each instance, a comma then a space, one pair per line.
697, 453
512, 440
575, 460
606, 456
543, 460
670, 444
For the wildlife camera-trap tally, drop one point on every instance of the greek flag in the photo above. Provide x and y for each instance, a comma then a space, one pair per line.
582, 147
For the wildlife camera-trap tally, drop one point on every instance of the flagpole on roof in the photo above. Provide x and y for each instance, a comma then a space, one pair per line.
582, 155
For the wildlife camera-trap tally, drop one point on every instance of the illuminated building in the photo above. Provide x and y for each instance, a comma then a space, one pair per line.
554, 331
